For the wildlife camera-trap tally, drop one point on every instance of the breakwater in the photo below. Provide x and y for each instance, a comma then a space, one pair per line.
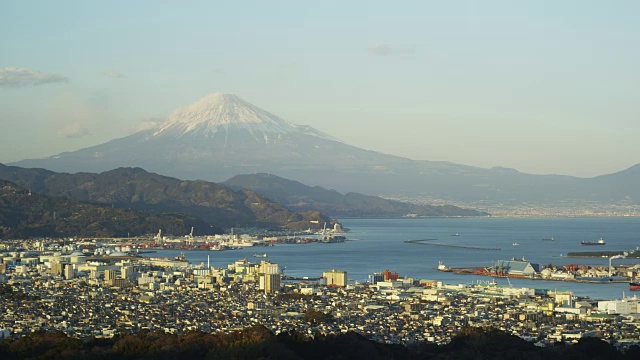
428, 243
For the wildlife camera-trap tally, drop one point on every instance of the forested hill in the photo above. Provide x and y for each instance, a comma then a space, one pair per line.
25, 214
137, 189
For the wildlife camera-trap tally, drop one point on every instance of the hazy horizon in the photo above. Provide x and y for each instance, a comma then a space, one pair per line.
542, 87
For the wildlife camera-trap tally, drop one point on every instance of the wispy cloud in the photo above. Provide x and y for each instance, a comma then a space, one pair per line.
386, 50
147, 124
22, 77
114, 74
73, 131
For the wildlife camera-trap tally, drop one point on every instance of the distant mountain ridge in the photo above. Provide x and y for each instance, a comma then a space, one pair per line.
135, 188
221, 136
297, 196
26, 214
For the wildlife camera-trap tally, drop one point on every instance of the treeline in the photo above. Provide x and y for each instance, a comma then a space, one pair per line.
257, 342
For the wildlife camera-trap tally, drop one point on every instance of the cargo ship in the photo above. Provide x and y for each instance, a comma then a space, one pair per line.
443, 267
634, 286
591, 242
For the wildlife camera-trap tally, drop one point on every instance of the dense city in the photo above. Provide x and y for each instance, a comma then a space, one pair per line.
92, 290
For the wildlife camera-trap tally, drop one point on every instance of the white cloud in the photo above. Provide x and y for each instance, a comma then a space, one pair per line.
114, 74
386, 49
380, 49
146, 125
73, 130
21, 77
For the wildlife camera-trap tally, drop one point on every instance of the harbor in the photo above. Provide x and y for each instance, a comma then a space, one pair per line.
523, 269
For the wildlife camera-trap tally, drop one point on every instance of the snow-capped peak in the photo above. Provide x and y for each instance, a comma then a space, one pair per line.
226, 112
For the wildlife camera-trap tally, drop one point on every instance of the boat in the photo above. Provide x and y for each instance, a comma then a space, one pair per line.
549, 239
456, 234
332, 239
634, 286
261, 255
244, 243
515, 244
592, 242
443, 267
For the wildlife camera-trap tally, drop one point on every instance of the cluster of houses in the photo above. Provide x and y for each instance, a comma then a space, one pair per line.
85, 297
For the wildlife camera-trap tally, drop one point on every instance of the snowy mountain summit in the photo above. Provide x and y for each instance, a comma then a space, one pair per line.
215, 138
220, 115
221, 135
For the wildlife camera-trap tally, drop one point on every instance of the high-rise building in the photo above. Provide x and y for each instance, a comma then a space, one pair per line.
270, 283
109, 274
125, 271
69, 272
389, 276
269, 277
335, 277
56, 268
267, 267
376, 277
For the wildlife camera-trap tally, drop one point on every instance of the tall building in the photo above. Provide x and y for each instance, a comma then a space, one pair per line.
269, 277
267, 267
109, 274
270, 283
335, 277
69, 272
376, 277
125, 271
388, 275
56, 268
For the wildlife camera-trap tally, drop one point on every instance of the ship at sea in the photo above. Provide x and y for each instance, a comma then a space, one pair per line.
261, 255
592, 242
443, 267
549, 239
634, 286
332, 239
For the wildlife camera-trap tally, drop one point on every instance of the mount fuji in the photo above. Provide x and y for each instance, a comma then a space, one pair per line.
215, 138
222, 135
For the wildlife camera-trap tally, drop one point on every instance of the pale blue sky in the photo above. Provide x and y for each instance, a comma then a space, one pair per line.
540, 86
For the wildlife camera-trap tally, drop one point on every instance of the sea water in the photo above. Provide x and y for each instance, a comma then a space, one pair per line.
377, 244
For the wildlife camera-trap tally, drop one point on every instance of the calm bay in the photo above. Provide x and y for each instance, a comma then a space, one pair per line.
378, 244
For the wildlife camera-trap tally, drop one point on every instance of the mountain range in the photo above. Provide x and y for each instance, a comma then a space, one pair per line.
221, 136
25, 214
299, 197
136, 189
